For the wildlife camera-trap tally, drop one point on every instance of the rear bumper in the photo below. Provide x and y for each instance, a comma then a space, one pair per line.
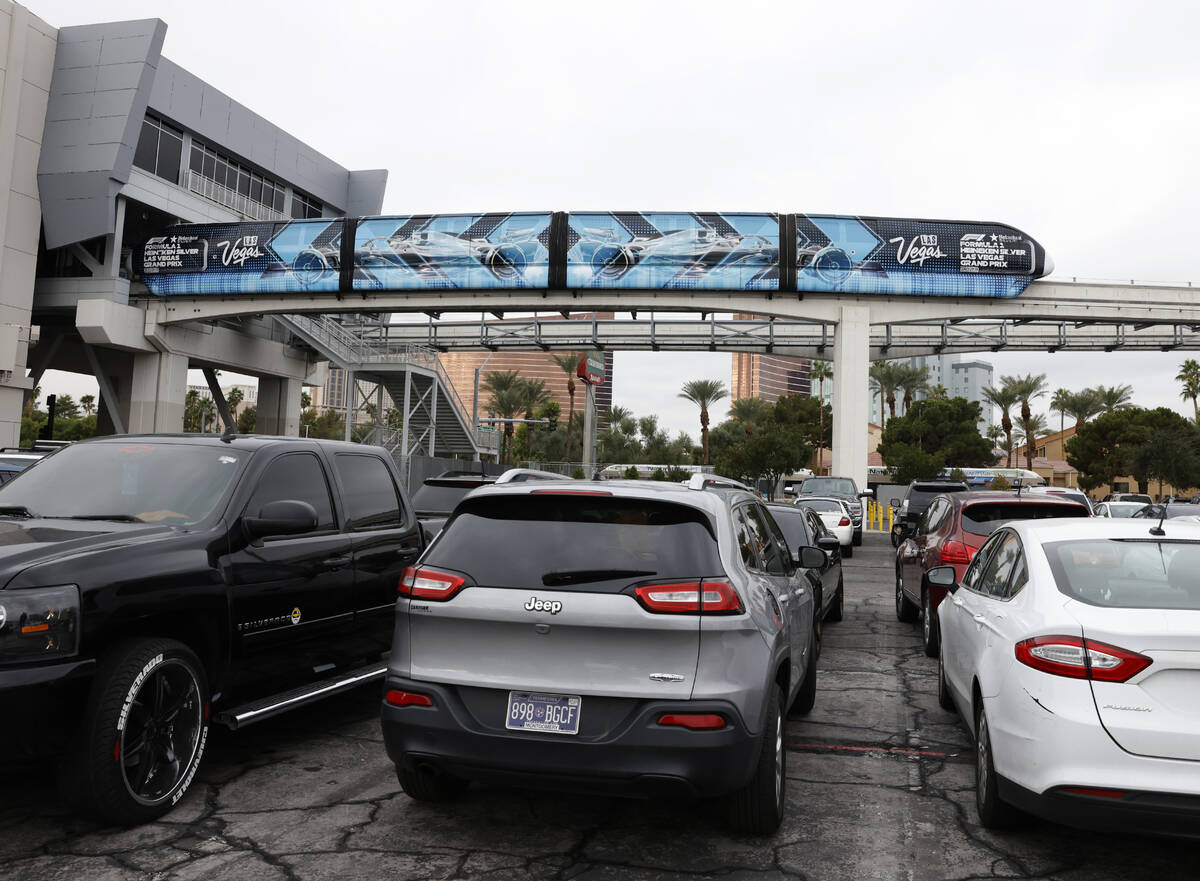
1154, 813
620, 747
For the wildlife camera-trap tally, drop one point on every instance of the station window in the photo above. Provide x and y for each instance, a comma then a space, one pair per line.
235, 177
304, 205
159, 149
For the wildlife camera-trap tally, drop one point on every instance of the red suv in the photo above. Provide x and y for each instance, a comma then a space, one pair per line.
949, 533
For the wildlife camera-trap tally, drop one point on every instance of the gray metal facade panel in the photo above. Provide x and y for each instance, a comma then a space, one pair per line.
226, 125
90, 135
366, 192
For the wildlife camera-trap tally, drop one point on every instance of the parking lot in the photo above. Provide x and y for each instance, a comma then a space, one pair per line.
880, 786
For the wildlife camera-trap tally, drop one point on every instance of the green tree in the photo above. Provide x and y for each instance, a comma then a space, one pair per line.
1111, 445
749, 412
1115, 397
1083, 405
631, 473
65, 408
941, 430
235, 397
305, 400
909, 462
885, 378
88, 403
1026, 388
704, 393
1172, 455
1189, 375
913, 380
776, 449
568, 363
248, 418
1060, 401
1005, 399
821, 371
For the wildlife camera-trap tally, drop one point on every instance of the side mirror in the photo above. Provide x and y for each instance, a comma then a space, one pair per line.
829, 543
812, 558
943, 576
867, 494
285, 517
894, 503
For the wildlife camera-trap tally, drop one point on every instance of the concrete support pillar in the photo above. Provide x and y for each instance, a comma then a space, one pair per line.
278, 406
851, 395
12, 400
156, 393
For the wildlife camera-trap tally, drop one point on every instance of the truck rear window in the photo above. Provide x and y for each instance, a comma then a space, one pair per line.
575, 542
984, 518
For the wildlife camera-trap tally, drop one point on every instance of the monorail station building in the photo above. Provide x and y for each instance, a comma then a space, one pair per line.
104, 143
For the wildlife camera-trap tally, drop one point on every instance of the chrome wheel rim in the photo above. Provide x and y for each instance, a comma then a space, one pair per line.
162, 734
982, 749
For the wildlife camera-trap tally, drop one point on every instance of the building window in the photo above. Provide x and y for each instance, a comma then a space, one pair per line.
237, 186
159, 149
304, 205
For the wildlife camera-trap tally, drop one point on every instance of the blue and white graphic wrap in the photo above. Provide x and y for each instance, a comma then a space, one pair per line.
789, 253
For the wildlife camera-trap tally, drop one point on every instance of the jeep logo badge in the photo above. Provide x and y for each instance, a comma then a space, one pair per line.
536, 605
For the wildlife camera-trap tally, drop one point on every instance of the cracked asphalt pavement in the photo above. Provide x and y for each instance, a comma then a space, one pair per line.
880, 786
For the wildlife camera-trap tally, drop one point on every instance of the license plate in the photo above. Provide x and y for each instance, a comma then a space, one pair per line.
548, 713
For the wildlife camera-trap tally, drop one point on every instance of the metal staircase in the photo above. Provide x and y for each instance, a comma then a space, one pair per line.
435, 422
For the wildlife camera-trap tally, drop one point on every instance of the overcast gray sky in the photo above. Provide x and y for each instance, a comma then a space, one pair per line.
1074, 121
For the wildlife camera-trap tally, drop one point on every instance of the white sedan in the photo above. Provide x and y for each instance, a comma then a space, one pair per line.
836, 517
1118, 509
1072, 651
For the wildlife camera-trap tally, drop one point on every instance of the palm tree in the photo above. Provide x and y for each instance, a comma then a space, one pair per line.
1082, 406
1026, 389
820, 371
886, 376
533, 392
995, 434
88, 403
913, 380
1022, 435
568, 363
1004, 398
750, 412
1189, 375
1114, 398
1060, 401
235, 397
704, 393
506, 403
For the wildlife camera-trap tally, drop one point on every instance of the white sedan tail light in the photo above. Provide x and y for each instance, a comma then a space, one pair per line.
1079, 658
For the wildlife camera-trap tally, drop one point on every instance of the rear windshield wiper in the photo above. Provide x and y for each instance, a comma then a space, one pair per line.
580, 576
15, 511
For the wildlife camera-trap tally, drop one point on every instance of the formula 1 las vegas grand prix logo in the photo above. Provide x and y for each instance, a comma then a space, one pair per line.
920, 248
241, 251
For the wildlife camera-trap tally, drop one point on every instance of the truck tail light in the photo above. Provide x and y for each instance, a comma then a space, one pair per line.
689, 598
1079, 658
955, 552
423, 583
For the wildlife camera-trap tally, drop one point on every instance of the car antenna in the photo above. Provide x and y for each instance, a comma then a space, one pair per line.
229, 434
1157, 529
1018, 484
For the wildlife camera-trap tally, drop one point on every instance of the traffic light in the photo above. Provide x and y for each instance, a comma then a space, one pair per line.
551, 423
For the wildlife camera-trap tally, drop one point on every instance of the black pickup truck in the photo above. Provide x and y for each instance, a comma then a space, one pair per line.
150, 585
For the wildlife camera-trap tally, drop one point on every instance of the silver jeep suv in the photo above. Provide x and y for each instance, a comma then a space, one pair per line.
604, 636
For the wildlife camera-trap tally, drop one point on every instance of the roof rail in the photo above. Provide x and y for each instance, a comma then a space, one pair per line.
713, 481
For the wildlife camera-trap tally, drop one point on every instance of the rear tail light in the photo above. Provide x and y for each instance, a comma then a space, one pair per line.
845, 521
956, 552
689, 598
429, 584
1078, 658
408, 699
693, 721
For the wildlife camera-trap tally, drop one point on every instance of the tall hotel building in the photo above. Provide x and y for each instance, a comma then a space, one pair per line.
769, 377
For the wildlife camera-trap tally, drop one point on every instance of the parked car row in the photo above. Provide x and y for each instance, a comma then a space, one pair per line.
1069, 645
617, 635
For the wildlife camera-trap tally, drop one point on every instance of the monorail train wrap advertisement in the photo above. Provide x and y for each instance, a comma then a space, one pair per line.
791, 253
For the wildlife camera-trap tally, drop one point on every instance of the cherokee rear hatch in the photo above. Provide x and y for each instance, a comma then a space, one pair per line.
569, 592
